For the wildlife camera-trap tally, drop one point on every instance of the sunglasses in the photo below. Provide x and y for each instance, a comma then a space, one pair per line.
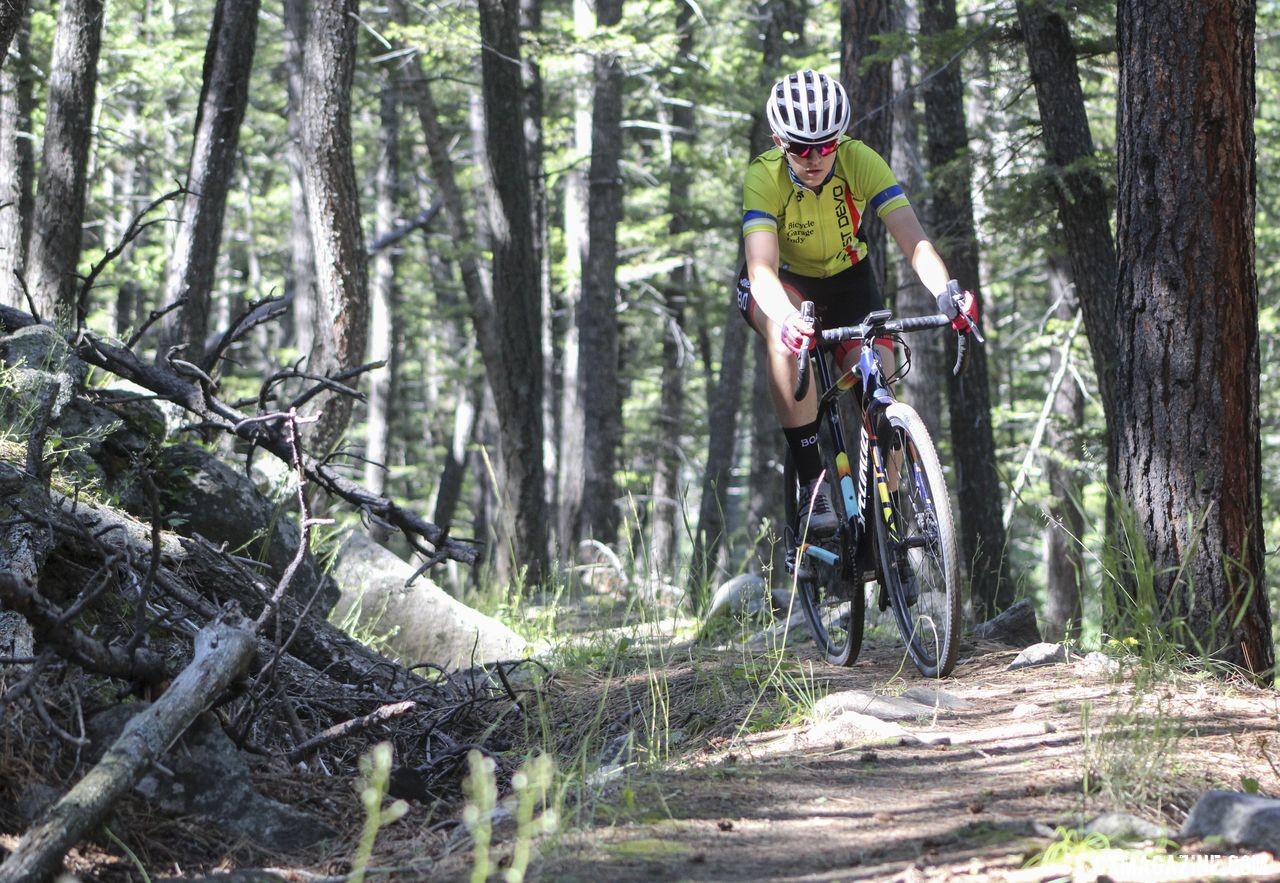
802, 151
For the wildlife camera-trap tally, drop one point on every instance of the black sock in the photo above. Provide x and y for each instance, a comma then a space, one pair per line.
803, 442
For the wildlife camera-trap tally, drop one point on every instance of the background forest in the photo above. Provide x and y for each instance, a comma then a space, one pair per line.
591, 398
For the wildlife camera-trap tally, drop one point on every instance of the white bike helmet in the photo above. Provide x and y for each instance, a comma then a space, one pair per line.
807, 108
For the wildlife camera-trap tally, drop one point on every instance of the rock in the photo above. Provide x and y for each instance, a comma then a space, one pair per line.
37, 355
1245, 821
885, 708
422, 622
1119, 826
1015, 627
1041, 654
744, 596
206, 777
1098, 664
851, 729
783, 634
202, 495
936, 698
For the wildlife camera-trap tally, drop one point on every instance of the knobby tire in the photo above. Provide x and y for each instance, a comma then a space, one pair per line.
919, 522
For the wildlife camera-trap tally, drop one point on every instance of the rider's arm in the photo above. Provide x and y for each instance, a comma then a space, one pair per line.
910, 236
762, 269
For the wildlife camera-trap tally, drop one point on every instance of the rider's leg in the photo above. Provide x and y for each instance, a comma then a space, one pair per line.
797, 419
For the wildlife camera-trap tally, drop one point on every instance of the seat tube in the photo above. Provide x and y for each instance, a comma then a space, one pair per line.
845, 478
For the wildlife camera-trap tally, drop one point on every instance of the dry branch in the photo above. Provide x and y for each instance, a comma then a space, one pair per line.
266, 431
49, 624
223, 650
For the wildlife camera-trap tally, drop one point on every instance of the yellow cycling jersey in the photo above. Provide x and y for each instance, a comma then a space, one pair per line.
818, 231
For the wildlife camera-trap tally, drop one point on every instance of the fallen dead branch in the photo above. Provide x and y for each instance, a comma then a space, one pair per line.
223, 650
267, 431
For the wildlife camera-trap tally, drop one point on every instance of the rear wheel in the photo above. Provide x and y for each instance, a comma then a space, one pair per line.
916, 545
834, 605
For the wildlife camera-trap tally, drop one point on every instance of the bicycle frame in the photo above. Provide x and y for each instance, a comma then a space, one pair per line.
873, 395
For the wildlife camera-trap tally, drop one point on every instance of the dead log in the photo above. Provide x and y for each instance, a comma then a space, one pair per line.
266, 431
223, 650
318, 643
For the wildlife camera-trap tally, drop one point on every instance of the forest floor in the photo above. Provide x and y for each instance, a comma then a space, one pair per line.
743, 771
685, 760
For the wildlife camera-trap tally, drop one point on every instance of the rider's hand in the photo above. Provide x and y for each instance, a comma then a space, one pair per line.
960, 306
796, 333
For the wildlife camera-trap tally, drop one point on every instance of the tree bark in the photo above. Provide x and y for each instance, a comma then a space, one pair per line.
665, 509
598, 394
224, 93
982, 534
1084, 205
300, 280
59, 203
1064, 528
333, 207
12, 13
1186, 449
870, 87
17, 167
223, 651
509, 329
383, 333
571, 480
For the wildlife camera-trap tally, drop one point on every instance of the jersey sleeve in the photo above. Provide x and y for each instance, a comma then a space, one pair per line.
877, 182
759, 200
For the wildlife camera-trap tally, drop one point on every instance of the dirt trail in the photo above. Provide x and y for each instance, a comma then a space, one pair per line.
971, 796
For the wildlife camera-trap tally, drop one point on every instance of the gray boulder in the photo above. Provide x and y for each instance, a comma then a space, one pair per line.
1243, 821
1015, 627
1041, 654
203, 496
206, 777
422, 622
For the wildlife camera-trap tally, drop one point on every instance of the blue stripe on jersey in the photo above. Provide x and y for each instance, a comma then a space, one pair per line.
756, 215
885, 195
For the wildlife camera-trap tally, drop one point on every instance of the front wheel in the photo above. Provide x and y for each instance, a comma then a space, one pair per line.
916, 543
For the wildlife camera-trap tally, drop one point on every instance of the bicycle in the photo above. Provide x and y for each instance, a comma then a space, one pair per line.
894, 511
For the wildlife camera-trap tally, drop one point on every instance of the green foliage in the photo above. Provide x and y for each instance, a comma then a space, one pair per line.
1129, 757
375, 774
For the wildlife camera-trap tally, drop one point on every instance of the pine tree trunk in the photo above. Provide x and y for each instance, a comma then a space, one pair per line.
1064, 527
224, 94
572, 454
17, 169
301, 276
1084, 205
12, 15
510, 330
598, 312
59, 203
383, 336
978, 489
870, 87
333, 207
1186, 449
666, 509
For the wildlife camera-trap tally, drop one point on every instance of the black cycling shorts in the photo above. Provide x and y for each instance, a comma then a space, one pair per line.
843, 299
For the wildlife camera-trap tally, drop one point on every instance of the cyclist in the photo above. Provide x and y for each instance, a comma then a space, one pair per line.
802, 207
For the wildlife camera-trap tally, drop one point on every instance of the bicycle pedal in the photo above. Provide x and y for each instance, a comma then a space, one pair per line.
801, 572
